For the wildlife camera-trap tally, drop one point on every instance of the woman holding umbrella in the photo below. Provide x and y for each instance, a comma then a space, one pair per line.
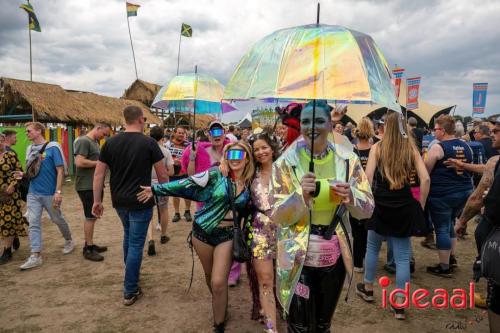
310, 271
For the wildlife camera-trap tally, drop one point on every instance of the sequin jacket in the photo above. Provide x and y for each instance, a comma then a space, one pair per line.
209, 187
291, 213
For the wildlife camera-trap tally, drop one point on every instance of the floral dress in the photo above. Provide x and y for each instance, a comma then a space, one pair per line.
12, 222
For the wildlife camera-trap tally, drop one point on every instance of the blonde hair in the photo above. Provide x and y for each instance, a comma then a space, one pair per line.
249, 169
36, 125
365, 130
395, 153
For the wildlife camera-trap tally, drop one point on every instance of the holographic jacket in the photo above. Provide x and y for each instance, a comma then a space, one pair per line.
291, 213
209, 187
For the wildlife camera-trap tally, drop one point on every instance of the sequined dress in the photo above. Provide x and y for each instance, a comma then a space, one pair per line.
263, 229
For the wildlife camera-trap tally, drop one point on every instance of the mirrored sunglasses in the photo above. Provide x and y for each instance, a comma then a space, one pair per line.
235, 154
216, 132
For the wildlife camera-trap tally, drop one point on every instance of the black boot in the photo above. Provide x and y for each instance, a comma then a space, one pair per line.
219, 328
16, 244
6, 256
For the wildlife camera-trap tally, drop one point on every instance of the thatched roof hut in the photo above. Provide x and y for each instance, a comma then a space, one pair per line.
142, 91
186, 119
25, 100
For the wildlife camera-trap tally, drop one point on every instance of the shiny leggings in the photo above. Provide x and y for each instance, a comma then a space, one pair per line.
314, 314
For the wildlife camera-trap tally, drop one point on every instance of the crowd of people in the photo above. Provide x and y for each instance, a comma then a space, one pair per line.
315, 198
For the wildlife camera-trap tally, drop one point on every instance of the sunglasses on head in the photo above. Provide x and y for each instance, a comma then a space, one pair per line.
235, 154
216, 131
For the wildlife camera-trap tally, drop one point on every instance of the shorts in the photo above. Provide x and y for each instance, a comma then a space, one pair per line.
218, 235
87, 199
177, 177
161, 201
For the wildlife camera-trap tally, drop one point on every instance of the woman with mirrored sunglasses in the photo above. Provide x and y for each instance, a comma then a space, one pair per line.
212, 232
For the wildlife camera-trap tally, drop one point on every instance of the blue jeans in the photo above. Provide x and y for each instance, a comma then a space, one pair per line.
135, 227
34, 205
402, 252
444, 210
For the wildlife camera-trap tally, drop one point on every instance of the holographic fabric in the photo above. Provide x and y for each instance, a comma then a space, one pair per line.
291, 214
183, 91
314, 62
263, 228
209, 187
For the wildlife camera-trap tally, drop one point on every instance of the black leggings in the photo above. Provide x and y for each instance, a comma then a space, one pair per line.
359, 235
314, 314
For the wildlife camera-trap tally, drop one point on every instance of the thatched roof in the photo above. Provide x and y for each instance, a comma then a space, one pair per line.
142, 91
186, 119
51, 103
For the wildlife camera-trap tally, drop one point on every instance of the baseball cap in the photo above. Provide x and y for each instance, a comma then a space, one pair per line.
215, 123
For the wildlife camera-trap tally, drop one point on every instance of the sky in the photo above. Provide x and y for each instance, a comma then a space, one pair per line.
84, 44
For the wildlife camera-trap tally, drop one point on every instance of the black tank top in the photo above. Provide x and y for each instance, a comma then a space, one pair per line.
363, 156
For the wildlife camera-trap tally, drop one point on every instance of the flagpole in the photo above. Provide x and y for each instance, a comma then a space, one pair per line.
132, 45
29, 34
194, 105
179, 53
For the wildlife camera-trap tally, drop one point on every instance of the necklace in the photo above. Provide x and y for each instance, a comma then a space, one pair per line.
321, 155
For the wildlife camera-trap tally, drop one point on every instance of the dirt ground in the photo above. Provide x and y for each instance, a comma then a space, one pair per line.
70, 294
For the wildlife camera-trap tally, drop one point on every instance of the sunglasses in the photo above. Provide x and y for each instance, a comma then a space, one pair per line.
235, 155
216, 132
438, 129
495, 130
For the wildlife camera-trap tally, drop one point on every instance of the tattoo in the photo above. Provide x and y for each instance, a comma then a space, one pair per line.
475, 201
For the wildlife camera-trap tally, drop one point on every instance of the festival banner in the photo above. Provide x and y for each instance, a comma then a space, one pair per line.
412, 89
398, 74
479, 91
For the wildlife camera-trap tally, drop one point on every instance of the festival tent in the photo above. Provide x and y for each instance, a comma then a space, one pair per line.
425, 113
22, 101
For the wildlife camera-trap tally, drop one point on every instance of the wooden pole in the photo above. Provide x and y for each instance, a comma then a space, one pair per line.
194, 105
132, 45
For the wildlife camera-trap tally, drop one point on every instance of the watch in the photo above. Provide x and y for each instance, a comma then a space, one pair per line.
59, 192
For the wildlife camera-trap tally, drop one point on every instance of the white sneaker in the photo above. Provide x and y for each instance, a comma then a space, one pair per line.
69, 246
158, 226
32, 262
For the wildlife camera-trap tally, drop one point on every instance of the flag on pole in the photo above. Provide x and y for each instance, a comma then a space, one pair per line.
33, 21
412, 88
398, 74
132, 9
479, 91
186, 30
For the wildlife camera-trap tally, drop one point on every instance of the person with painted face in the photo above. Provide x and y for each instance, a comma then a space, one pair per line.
311, 262
213, 223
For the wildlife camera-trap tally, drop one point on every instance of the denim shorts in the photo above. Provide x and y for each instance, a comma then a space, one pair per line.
218, 235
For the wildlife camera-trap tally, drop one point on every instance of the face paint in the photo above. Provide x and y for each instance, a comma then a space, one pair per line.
306, 119
235, 154
216, 132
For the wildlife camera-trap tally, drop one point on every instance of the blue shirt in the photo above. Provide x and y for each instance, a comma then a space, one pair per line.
46, 180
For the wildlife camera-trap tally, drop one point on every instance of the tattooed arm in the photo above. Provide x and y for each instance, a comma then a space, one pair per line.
475, 201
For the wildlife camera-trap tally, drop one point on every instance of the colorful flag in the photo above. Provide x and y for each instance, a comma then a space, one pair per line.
412, 88
186, 30
398, 74
132, 9
479, 91
33, 21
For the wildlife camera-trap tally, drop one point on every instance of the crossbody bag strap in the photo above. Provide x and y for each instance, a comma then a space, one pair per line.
231, 201
40, 152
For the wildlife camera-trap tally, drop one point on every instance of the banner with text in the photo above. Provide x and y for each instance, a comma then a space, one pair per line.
412, 89
479, 91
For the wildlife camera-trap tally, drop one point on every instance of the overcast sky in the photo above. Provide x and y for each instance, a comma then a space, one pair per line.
84, 44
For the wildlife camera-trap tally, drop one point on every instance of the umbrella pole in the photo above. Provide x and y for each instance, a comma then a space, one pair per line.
311, 162
194, 106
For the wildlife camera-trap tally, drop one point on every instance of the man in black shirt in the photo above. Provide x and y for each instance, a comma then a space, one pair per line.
418, 134
130, 156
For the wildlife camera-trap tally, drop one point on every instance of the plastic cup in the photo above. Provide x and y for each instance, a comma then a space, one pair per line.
334, 197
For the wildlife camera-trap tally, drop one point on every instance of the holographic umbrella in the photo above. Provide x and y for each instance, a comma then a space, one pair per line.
313, 62
191, 93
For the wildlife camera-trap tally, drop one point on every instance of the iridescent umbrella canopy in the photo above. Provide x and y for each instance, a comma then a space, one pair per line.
314, 61
183, 91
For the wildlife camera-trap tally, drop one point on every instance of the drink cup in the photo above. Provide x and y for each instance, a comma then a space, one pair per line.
334, 197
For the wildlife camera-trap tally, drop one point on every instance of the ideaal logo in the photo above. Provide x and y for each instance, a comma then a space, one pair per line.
422, 298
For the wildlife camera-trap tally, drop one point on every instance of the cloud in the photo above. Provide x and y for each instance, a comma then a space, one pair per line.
84, 45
